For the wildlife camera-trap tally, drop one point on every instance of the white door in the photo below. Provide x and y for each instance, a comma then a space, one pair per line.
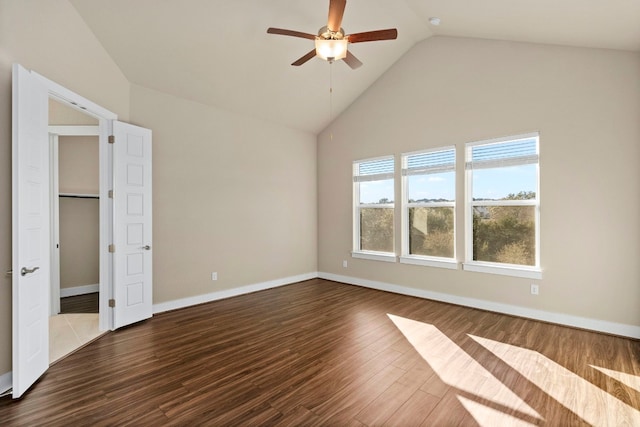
133, 281
30, 230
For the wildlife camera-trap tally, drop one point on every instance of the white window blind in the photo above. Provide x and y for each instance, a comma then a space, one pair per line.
430, 162
373, 170
504, 153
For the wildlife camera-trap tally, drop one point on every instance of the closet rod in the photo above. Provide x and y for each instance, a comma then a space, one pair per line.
80, 196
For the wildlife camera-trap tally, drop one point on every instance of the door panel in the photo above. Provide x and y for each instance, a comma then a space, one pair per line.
132, 224
30, 228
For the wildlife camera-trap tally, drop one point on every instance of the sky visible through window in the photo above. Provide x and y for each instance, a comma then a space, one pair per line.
492, 184
375, 191
496, 184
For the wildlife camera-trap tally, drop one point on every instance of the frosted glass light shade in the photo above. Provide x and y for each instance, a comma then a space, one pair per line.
330, 49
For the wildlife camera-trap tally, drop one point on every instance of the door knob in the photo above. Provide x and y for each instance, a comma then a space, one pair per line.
146, 247
24, 271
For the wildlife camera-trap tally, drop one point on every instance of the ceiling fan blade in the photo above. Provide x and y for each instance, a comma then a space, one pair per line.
372, 36
305, 58
352, 61
291, 33
336, 12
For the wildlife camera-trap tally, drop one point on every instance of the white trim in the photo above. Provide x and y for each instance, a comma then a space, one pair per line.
75, 130
374, 256
469, 264
502, 163
54, 250
430, 205
503, 270
375, 177
356, 206
74, 100
79, 290
376, 206
6, 382
523, 202
228, 293
105, 119
430, 262
631, 331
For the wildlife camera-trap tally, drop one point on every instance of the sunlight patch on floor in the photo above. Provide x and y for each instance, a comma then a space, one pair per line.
632, 381
572, 391
68, 332
457, 369
481, 412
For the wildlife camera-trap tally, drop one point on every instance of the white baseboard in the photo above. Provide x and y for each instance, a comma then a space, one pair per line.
621, 329
6, 382
614, 328
228, 293
79, 290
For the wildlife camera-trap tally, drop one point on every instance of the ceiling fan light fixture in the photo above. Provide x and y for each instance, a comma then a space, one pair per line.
331, 49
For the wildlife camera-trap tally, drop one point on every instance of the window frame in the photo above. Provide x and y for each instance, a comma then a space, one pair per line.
357, 251
425, 260
530, 272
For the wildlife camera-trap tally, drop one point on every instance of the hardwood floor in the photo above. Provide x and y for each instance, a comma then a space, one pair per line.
87, 303
324, 353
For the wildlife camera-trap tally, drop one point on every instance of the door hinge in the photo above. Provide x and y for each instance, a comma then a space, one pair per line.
112, 139
112, 303
112, 248
111, 194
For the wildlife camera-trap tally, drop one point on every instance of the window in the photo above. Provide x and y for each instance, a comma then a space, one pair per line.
429, 201
373, 193
503, 206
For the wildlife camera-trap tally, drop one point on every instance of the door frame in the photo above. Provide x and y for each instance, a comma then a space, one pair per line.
105, 117
54, 253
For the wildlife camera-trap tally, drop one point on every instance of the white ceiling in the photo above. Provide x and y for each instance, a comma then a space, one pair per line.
218, 52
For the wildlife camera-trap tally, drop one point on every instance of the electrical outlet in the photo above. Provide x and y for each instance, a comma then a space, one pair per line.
344, 263
214, 276
535, 289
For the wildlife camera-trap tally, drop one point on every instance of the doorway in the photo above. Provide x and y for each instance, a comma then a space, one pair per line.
125, 217
75, 230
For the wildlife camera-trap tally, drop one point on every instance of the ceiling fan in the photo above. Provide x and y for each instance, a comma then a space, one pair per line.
331, 41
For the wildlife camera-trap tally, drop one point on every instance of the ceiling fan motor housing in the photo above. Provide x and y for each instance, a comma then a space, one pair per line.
326, 34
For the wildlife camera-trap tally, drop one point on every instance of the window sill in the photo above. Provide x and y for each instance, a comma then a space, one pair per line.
430, 262
527, 273
374, 256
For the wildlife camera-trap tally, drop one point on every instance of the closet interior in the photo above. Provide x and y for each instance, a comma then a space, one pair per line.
75, 266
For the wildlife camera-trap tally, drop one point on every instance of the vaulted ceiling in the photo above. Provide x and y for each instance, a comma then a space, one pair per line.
218, 52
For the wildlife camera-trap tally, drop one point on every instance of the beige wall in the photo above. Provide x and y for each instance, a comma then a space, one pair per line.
79, 239
230, 194
78, 161
78, 164
61, 114
447, 91
49, 37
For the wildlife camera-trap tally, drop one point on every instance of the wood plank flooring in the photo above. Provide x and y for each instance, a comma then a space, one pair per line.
320, 353
87, 303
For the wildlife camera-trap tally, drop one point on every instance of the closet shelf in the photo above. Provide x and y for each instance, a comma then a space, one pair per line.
80, 195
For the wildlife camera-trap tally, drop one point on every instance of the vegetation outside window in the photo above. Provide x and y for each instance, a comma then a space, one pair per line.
373, 193
503, 203
429, 198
